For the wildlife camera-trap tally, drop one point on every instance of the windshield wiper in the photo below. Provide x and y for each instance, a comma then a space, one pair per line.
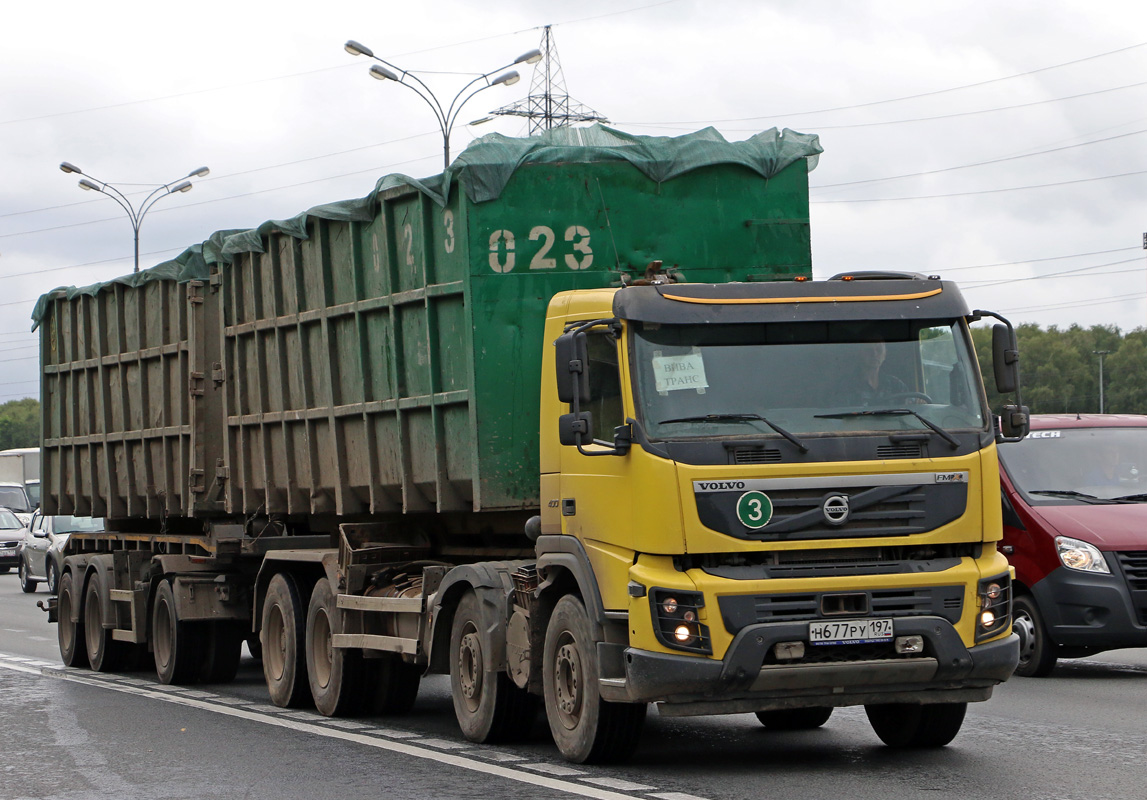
1133, 498
896, 412
1087, 498
740, 418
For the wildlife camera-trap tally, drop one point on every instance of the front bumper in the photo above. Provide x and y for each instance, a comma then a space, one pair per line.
1092, 610
742, 681
9, 557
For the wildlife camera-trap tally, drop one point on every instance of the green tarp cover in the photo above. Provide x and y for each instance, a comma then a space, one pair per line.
483, 170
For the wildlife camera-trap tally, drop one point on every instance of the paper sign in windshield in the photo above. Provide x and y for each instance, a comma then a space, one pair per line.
680, 372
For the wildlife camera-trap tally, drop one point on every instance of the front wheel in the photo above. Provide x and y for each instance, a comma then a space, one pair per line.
27, 585
916, 726
1037, 651
53, 577
585, 728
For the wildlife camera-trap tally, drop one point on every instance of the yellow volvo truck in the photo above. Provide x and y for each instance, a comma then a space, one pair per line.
786, 496
569, 423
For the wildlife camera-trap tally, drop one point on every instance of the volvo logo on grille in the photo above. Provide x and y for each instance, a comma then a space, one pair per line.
835, 509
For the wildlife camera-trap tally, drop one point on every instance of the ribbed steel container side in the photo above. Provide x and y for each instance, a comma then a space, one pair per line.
119, 409
371, 368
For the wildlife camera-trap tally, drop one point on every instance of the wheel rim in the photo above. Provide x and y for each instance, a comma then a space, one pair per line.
1024, 626
275, 651
470, 668
164, 636
53, 578
324, 656
568, 682
67, 630
93, 621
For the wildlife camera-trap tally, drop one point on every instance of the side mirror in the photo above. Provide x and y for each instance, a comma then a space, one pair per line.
572, 361
1015, 422
1005, 358
575, 429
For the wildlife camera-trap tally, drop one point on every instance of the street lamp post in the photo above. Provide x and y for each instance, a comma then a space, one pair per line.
89, 183
1101, 354
445, 116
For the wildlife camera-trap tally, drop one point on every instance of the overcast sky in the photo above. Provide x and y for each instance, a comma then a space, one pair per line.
1002, 144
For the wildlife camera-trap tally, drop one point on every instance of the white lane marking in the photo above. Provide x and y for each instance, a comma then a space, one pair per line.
619, 784
495, 755
445, 744
20, 668
554, 769
393, 734
462, 762
676, 796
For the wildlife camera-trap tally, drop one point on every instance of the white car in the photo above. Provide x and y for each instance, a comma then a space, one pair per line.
40, 552
14, 497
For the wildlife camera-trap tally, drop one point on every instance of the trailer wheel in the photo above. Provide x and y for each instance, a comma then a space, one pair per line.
105, 654
903, 725
176, 644
585, 728
284, 654
489, 707
1037, 651
223, 644
73, 650
795, 719
335, 673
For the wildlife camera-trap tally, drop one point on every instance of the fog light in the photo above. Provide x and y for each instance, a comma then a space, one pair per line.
992, 593
669, 606
987, 619
909, 644
682, 633
689, 616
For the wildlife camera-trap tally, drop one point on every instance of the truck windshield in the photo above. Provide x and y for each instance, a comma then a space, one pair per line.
13, 497
1070, 466
806, 378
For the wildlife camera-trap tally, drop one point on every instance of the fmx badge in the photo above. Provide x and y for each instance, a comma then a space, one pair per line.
754, 509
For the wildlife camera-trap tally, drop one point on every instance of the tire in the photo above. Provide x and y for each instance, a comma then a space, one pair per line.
73, 651
175, 644
585, 728
489, 707
795, 719
222, 646
53, 577
1037, 652
254, 646
391, 684
27, 585
105, 654
903, 725
283, 636
335, 674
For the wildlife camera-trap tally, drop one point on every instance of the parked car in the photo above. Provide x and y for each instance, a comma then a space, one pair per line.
41, 558
11, 534
14, 497
1075, 529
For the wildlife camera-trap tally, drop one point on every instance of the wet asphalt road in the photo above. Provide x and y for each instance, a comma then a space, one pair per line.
1078, 735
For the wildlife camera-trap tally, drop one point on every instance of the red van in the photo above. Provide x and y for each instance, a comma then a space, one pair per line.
1075, 529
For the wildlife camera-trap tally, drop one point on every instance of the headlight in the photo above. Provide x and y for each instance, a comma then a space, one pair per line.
1085, 557
675, 620
995, 606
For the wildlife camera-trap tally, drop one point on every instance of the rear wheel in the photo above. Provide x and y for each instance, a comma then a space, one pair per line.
73, 651
585, 728
1037, 651
105, 654
335, 673
53, 577
27, 585
916, 726
175, 643
795, 719
284, 654
489, 707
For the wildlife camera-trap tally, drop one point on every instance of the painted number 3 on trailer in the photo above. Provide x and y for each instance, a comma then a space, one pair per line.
503, 255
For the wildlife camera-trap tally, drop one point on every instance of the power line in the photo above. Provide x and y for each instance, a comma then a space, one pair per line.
1037, 260
906, 97
1119, 298
1070, 273
979, 191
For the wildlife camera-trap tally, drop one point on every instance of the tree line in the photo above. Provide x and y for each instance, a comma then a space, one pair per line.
1059, 369
20, 424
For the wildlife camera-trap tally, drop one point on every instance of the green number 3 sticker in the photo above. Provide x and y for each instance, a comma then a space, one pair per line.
754, 509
